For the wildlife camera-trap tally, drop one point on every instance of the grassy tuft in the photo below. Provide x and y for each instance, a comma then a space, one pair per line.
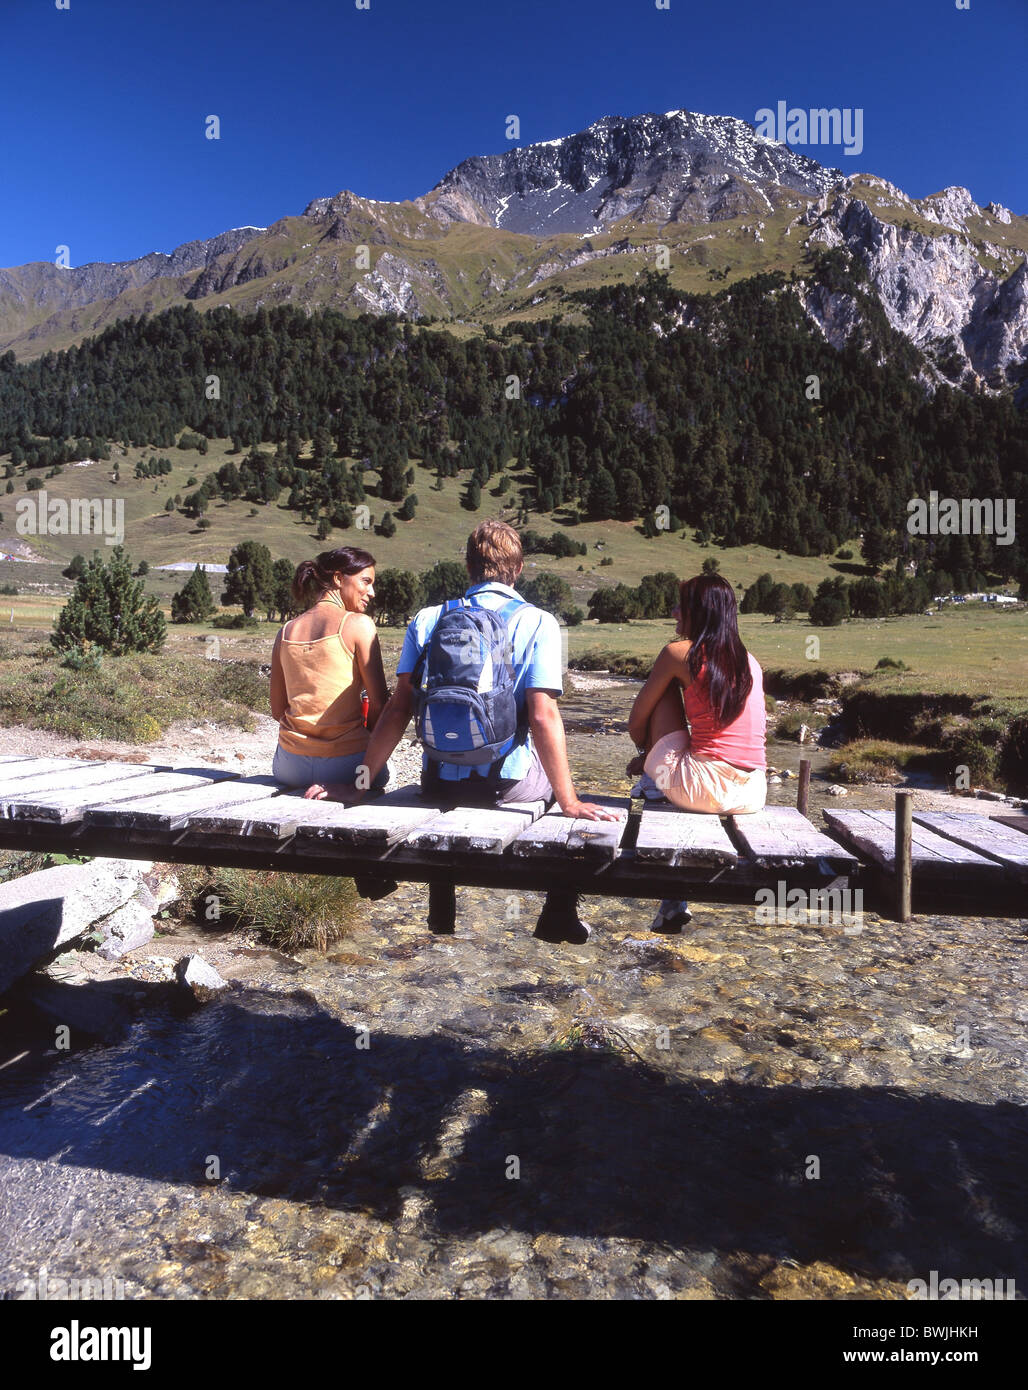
788, 725
878, 760
289, 911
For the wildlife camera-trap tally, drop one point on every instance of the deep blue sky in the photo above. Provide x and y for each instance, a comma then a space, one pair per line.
103, 104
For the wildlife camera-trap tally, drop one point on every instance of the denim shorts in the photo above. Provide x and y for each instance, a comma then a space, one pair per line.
299, 770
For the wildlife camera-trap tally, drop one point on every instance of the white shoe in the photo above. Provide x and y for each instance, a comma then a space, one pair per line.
672, 915
647, 788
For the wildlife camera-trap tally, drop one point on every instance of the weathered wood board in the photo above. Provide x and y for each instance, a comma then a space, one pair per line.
173, 811
475, 829
20, 768
374, 826
563, 836
872, 834
274, 818
72, 780
669, 836
982, 834
1013, 822
780, 837
67, 806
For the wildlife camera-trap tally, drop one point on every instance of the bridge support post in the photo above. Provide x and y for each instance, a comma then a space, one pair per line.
904, 853
803, 789
442, 908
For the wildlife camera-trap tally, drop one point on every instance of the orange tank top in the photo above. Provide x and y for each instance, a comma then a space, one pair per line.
323, 716
742, 741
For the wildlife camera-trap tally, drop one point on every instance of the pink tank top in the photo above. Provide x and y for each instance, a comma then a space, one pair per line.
742, 741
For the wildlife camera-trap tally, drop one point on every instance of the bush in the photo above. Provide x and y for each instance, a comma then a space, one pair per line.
289, 911
9, 590
1014, 754
234, 621
194, 602
844, 554
549, 592
890, 663
109, 609
616, 605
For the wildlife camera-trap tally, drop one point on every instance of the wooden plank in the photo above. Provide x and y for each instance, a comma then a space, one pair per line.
64, 808
669, 836
872, 834
174, 811
71, 780
374, 826
1014, 822
284, 816
780, 837
982, 834
34, 767
557, 834
477, 829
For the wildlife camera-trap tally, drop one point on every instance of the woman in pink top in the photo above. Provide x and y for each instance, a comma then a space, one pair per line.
699, 721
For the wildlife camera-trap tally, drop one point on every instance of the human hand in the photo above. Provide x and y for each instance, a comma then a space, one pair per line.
333, 791
588, 810
637, 766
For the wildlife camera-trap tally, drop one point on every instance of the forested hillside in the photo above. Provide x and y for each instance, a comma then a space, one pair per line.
730, 411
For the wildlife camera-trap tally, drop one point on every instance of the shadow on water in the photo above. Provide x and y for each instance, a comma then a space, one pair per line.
608, 1145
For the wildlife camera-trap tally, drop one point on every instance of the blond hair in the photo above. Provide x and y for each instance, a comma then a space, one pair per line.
494, 552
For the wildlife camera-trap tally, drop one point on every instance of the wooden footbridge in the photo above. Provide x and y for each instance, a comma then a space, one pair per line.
955, 862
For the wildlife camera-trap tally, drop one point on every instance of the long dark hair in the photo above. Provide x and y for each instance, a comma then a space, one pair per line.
313, 577
709, 616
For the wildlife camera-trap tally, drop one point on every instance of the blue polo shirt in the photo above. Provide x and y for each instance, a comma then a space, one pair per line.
536, 658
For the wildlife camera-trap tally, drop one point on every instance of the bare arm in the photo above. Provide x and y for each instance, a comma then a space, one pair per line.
279, 697
669, 666
388, 732
550, 741
364, 636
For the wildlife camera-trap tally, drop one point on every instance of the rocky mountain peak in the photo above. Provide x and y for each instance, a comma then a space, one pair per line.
654, 167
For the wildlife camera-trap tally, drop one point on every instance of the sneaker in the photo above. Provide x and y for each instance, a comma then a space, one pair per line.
647, 788
672, 915
562, 929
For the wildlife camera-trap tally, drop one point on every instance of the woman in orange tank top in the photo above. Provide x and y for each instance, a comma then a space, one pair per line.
319, 664
699, 721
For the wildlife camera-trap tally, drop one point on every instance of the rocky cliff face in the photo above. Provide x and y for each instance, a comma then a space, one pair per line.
676, 167
970, 322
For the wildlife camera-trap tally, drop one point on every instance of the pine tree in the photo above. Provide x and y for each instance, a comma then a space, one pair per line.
194, 602
109, 610
249, 581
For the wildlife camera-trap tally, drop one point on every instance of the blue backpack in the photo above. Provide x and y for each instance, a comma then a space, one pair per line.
464, 686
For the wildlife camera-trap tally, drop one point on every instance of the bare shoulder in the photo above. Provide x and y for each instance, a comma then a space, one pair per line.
678, 651
361, 628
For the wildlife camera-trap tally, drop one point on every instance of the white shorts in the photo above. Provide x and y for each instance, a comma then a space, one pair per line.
704, 784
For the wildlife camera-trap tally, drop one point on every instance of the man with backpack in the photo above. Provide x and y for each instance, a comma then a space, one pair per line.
482, 675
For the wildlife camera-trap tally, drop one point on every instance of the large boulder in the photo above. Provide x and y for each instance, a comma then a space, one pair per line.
130, 926
44, 911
